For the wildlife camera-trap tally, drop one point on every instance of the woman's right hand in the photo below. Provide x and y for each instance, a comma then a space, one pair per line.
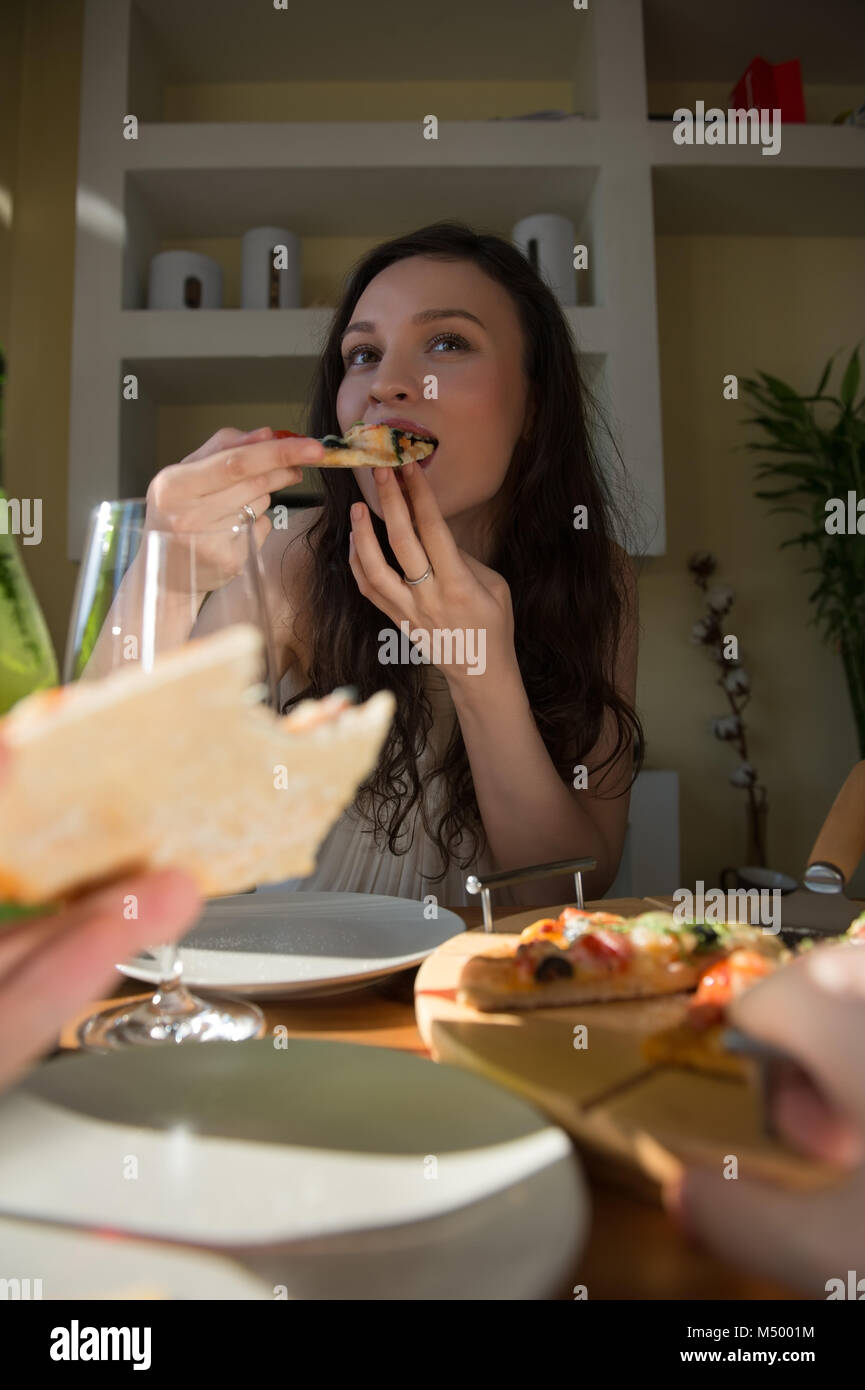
207, 490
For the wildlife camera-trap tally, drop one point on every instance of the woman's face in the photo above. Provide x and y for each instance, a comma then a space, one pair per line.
400, 338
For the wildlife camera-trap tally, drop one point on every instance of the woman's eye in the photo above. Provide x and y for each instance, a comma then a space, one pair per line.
449, 338
353, 358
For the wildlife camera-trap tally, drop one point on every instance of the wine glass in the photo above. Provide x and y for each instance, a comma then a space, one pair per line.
139, 594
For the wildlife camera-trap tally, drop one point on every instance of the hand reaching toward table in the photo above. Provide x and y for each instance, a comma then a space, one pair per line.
815, 1009
52, 966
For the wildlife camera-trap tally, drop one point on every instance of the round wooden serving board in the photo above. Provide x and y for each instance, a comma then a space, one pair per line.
634, 1123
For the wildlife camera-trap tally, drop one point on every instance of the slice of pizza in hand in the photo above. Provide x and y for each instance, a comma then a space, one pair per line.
372, 446
697, 1041
174, 767
585, 958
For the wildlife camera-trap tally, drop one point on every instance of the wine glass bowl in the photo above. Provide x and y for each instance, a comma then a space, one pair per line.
142, 592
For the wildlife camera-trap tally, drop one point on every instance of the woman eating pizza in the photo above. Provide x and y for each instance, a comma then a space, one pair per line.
517, 742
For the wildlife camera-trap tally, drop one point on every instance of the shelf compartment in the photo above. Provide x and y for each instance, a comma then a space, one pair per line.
205, 43
184, 350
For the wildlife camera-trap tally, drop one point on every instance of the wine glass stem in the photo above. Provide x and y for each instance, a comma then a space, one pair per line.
171, 999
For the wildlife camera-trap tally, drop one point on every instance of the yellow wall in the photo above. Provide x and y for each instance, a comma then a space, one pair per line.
361, 101
38, 277
742, 304
727, 304
10, 90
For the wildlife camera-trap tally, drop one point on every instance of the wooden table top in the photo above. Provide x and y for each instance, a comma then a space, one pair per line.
634, 1250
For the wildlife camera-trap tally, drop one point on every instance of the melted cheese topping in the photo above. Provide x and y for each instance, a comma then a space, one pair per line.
553, 929
379, 439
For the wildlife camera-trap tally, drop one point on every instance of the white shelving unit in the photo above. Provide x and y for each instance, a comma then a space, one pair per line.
613, 173
216, 179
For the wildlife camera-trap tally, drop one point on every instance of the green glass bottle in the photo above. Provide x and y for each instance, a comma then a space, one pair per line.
27, 659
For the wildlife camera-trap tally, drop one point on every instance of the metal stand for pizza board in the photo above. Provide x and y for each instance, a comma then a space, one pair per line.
475, 884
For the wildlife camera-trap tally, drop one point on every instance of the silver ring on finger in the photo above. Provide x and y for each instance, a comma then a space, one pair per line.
426, 574
250, 512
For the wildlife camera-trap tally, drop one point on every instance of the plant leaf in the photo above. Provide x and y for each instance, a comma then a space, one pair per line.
825, 377
786, 398
780, 492
850, 379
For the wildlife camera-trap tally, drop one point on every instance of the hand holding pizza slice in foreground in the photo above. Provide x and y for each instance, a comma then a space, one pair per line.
175, 768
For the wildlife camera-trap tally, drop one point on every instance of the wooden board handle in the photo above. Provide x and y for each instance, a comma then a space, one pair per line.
841, 840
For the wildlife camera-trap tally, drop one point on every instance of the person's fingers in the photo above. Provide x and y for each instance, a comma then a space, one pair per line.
404, 542
217, 507
20, 938
262, 528
75, 963
814, 1008
808, 1122
802, 1239
27, 936
387, 589
237, 464
435, 534
260, 504
224, 439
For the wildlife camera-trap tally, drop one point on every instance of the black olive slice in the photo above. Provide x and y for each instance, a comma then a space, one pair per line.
554, 968
706, 936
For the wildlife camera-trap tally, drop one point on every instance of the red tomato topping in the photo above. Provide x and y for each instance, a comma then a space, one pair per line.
545, 926
287, 434
610, 948
722, 982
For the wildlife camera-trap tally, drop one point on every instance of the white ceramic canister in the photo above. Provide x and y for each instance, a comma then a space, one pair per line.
184, 280
270, 275
547, 241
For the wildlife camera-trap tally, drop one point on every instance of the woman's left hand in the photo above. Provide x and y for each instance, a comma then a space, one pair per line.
466, 603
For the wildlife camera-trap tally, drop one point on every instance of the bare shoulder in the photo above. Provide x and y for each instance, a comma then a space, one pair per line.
286, 561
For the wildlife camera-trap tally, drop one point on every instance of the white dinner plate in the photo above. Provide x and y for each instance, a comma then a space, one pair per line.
279, 943
327, 1170
54, 1262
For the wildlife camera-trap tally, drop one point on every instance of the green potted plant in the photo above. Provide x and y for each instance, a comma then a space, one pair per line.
818, 448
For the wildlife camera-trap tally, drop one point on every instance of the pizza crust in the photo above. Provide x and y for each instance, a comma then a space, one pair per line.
174, 768
355, 458
495, 985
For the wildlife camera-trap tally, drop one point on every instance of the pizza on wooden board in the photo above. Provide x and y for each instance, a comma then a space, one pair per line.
370, 446
588, 957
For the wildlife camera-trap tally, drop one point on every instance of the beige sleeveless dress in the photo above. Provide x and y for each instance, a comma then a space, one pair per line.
350, 861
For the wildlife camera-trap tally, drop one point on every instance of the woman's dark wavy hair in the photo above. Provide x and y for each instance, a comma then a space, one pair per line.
566, 585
